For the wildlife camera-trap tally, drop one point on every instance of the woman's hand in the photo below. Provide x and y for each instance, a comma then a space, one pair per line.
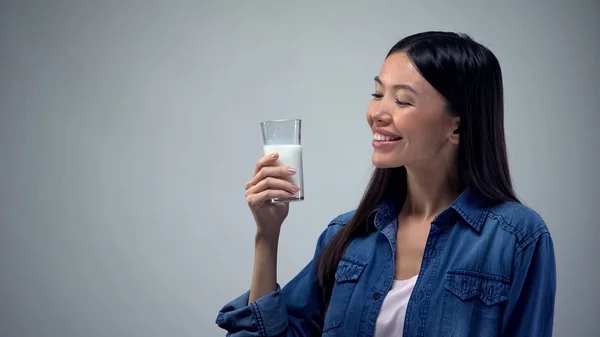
269, 181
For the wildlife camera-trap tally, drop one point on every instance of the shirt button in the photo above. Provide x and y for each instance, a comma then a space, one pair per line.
376, 295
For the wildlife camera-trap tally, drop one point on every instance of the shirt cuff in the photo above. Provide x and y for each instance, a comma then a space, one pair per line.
265, 317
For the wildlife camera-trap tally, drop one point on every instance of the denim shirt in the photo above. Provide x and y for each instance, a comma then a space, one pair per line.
487, 270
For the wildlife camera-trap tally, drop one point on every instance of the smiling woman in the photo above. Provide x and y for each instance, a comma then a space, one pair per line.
411, 115
439, 245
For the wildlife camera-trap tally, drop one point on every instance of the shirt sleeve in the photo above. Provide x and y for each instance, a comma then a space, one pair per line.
296, 310
530, 306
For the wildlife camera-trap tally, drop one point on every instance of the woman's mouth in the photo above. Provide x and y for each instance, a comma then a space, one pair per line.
381, 138
385, 143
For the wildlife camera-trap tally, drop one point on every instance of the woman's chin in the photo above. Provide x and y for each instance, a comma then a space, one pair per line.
384, 161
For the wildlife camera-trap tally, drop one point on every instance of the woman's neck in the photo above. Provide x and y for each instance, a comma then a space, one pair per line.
430, 190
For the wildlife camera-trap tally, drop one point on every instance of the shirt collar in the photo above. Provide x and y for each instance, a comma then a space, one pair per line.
469, 205
385, 212
472, 207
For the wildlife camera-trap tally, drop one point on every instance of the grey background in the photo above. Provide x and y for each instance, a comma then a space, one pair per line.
128, 130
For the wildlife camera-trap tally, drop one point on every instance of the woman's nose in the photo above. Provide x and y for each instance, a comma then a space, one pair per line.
380, 116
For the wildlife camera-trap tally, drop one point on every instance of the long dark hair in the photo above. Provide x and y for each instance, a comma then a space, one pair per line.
468, 75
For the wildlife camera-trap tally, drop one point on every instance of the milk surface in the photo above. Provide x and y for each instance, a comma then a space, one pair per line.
290, 156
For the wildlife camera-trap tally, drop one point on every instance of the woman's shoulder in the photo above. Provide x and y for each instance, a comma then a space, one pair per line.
519, 219
334, 226
342, 219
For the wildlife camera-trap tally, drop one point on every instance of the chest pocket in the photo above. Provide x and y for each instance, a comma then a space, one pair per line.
474, 301
347, 275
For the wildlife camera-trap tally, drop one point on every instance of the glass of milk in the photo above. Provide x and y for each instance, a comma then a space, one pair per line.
283, 137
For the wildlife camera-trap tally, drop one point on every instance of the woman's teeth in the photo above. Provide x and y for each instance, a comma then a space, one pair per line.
382, 138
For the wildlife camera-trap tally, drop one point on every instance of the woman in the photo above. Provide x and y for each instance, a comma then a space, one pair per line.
439, 244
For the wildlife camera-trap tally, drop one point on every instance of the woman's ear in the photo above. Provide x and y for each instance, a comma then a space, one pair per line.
455, 136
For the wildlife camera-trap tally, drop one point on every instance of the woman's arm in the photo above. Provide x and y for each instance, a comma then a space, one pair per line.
264, 276
296, 310
530, 306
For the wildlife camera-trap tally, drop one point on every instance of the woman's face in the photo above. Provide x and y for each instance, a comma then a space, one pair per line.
408, 117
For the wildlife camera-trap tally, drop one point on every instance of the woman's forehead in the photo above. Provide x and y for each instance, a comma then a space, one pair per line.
399, 69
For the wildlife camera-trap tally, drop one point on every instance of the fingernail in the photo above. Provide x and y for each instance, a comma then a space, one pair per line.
274, 155
291, 171
296, 188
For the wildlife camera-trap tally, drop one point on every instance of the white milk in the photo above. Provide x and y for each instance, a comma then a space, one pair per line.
290, 156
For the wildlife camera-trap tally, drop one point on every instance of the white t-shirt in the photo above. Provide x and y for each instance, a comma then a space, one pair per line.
390, 321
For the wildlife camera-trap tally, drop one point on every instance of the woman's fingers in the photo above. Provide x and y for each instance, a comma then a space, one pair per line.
258, 200
271, 183
265, 172
267, 160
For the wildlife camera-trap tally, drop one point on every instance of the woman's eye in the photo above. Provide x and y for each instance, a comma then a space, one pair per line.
376, 95
401, 103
